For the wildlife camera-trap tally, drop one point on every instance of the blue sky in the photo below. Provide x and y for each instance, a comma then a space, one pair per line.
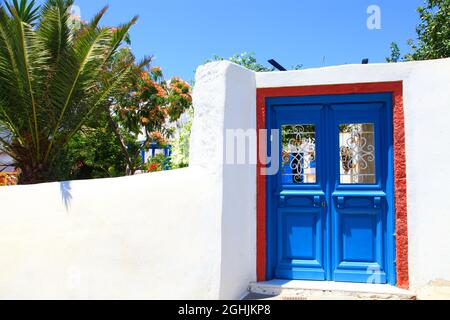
183, 34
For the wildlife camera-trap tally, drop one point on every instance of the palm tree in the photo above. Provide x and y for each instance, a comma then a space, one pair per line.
52, 80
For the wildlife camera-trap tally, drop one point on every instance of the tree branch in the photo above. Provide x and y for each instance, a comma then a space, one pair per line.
130, 168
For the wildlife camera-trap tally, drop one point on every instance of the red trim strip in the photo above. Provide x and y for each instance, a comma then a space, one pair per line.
399, 164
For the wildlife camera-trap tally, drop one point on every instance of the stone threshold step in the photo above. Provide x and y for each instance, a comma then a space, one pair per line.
311, 290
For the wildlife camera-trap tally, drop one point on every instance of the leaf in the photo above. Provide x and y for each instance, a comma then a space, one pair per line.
25, 10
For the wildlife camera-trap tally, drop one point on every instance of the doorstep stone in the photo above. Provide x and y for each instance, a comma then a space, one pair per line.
326, 290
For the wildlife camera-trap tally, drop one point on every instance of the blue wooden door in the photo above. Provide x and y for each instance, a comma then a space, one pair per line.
330, 206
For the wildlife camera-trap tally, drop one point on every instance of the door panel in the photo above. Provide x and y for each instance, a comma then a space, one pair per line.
301, 244
359, 197
330, 207
358, 247
300, 193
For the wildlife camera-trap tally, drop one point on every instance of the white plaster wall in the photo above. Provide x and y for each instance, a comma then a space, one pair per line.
100, 240
239, 188
225, 98
184, 234
427, 115
190, 234
427, 108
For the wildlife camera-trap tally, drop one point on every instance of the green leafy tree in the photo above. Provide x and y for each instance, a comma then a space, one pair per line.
434, 31
145, 106
249, 61
395, 53
94, 153
245, 59
49, 80
433, 34
181, 145
180, 155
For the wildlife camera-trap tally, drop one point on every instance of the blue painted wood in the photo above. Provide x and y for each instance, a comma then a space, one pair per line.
328, 230
153, 148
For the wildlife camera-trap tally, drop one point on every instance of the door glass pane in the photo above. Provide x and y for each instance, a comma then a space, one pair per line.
357, 146
299, 154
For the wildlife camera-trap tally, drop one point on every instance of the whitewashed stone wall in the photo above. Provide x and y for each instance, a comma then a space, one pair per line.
190, 234
184, 234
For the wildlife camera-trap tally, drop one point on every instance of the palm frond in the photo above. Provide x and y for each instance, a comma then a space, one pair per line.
7, 124
145, 62
95, 46
54, 27
11, 86
52, 79
120, 34
32, 58
77, 74
95, 21
23, 61
26, 10
110, 85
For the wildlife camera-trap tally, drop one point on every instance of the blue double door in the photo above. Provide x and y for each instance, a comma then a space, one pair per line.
330, 204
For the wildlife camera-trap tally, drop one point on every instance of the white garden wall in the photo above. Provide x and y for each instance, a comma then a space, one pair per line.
185, 234
190, 233
225, 98
129, 238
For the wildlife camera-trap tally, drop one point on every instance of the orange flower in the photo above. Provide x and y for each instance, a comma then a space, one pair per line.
186, 97
158, 137
144, 75
145, 121
161, 93
177, 90
156, 69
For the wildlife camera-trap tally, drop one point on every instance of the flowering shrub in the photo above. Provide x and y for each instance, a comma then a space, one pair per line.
159, 138
179, 98
154, 167
8, 179
146, 107
151, 101
157, 163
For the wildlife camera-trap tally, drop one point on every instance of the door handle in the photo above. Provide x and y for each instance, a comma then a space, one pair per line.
300, 199
282, 201
317, 201
377, 202
341, 202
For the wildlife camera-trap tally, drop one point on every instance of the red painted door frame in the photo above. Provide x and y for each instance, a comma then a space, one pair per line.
401, 214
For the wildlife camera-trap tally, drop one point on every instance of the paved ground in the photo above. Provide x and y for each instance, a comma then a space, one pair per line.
437, 290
